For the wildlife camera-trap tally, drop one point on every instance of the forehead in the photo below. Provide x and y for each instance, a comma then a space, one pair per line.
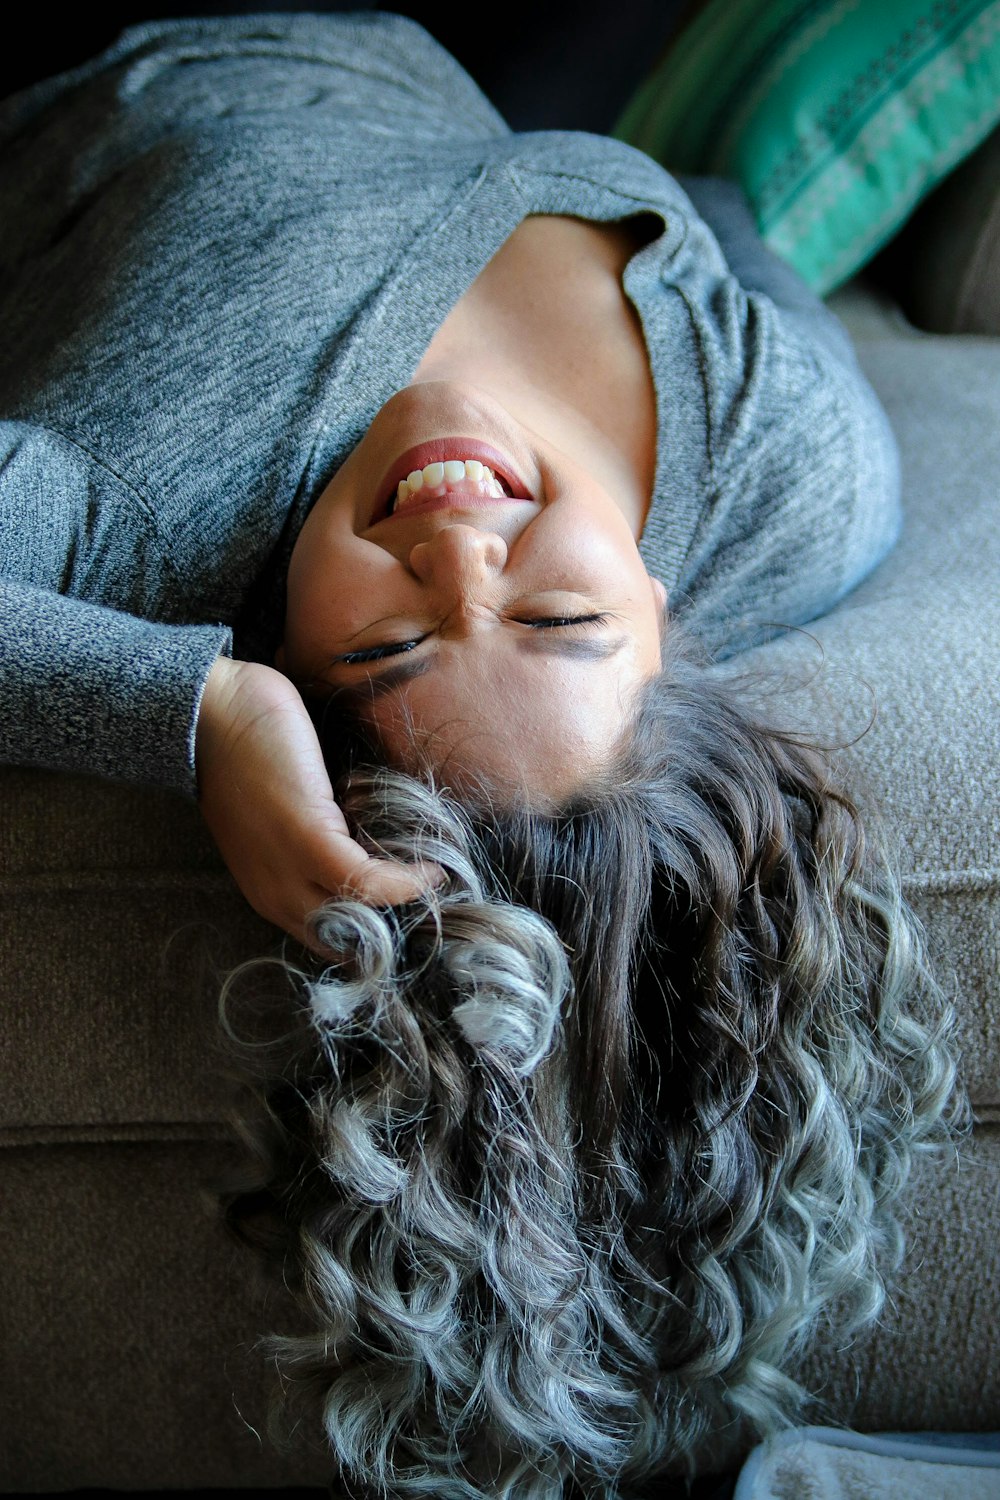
539, 724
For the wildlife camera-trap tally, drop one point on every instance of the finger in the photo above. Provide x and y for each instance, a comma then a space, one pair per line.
348, 869
396, 885
385, 882
376, 882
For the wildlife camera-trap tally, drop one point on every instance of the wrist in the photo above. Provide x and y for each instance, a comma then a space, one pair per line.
216, 691
238, 697
215, 710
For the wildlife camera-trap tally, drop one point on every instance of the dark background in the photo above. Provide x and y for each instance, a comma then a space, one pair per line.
559, 66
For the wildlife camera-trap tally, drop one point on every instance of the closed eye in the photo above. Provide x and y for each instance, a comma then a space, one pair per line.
376, 653
557, 621
399, 648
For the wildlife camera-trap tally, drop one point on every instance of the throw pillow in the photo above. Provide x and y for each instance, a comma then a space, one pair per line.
835, 116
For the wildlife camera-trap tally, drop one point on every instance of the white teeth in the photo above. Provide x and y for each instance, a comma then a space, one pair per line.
453, 471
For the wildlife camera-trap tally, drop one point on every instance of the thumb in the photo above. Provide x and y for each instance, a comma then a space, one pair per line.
386, 882
349, 870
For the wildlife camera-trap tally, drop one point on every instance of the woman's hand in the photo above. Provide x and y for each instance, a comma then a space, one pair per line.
266, 797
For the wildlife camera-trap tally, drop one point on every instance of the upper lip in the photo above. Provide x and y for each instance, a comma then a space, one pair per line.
438, 450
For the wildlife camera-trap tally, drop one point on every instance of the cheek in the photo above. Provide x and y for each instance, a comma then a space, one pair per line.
335, 588
590, 541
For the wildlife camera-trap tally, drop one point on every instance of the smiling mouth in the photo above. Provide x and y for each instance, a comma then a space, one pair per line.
460, 473
459, 499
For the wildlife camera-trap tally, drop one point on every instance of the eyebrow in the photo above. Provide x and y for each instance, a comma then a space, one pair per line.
545, 644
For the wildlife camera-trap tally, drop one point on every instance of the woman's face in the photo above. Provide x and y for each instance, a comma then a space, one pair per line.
504, 624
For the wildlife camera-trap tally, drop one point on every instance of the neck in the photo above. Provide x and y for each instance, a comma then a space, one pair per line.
529, 330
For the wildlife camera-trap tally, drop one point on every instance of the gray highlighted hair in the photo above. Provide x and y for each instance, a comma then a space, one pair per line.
567, 1161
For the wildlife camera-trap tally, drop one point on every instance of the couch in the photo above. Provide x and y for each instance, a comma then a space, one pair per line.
129, 1318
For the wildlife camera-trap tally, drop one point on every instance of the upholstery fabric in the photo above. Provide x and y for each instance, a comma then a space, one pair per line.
829, 1465
127, 1355
914, 646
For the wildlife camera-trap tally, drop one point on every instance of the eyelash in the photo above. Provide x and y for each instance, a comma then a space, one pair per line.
556, 622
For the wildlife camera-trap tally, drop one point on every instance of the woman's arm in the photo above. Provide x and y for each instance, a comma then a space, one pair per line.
101, 690
91, 690
95, 690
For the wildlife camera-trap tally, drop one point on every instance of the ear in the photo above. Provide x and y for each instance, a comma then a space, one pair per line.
659, 593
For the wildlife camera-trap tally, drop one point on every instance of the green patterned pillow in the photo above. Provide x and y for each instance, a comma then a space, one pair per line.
835, 116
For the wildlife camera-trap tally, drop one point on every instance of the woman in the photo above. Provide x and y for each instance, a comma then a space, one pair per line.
230, 247
450, 435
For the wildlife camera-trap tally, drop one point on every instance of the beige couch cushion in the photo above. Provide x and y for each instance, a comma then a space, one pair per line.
918, 645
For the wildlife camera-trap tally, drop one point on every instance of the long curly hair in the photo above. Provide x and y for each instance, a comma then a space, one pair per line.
567, 1161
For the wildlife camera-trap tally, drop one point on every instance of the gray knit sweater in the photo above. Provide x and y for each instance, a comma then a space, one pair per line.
226, 243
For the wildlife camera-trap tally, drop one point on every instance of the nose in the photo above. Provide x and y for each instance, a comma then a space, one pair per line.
459, 559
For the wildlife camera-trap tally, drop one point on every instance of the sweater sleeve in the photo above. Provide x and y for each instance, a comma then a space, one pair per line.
90, 689
88, 686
